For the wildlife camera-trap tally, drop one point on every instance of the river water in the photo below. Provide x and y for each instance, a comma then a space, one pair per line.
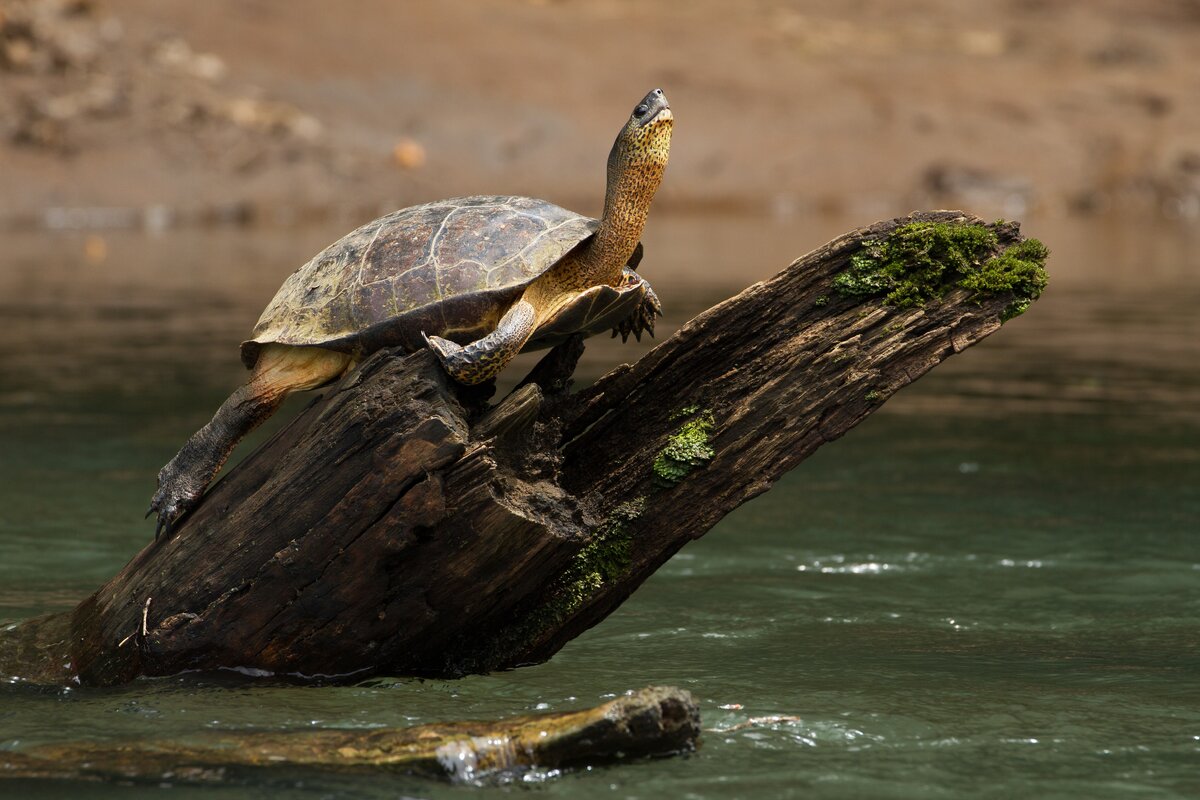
990, 588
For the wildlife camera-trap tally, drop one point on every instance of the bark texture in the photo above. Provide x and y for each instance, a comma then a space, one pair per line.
401, 525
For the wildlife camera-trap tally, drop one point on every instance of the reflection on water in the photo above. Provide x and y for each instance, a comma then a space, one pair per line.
989, 588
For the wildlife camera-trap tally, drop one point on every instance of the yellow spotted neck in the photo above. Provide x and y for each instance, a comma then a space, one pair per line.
635, 170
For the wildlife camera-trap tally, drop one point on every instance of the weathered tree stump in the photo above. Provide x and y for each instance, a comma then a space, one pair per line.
388, 529
650, 722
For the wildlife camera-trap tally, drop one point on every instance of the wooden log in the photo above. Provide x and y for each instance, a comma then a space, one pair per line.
655, 721
401, 526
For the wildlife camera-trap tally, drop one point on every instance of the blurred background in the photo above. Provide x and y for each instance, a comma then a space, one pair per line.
990, 587
259, 111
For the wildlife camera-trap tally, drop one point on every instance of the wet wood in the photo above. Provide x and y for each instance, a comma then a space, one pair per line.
651, 722
401, 526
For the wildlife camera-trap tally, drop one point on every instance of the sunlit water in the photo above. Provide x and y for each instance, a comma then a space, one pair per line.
990, 588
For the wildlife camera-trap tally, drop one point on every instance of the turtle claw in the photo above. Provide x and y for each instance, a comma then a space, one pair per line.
170, 512
177, 495
442, 348
642, 320
654, 304
624, 327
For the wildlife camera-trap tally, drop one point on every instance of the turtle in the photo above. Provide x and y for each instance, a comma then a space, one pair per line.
475, 279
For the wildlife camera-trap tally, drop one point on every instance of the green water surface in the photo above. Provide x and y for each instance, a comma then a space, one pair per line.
990, 588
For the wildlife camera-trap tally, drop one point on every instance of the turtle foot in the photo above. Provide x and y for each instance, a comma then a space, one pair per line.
178, 493
452, 356
469, 365
444, 349
642, 319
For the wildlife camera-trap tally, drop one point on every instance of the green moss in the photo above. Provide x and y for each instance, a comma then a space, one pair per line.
873, 397
821, 301
920, 261
684, 412
604, 559
1020, 270
685, 450
606, 556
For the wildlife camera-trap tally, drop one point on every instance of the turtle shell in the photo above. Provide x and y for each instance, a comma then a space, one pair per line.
449, 268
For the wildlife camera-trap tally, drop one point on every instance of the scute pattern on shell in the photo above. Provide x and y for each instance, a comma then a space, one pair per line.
429, 263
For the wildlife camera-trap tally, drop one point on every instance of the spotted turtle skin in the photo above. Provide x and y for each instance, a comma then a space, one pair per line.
450, 268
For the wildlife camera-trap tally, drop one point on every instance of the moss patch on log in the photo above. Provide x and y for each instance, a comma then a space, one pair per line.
920, 261
604, 559
1021, 270
686, 449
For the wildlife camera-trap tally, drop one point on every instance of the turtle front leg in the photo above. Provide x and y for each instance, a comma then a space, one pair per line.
483, 359
643, 318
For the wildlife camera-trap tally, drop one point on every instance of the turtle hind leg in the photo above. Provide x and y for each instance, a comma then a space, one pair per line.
280, 370
483, 359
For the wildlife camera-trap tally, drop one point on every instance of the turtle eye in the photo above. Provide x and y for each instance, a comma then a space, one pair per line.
641, 110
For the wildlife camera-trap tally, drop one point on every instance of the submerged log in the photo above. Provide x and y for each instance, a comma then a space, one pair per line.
401, 526
651, 722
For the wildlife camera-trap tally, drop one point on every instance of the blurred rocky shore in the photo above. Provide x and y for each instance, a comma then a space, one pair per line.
160, 113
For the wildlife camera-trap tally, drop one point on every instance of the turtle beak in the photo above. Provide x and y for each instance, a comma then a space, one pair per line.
658, 105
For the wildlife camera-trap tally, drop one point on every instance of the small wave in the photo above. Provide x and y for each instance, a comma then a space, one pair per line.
870, 565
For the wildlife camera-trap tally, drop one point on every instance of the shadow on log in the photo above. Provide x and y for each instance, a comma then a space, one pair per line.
651, 722
399, 527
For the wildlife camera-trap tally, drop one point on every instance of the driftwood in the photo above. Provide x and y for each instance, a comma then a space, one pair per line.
399, 526
651, 722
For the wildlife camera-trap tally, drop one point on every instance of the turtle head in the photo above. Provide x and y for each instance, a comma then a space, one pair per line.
642, 146
635, 169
